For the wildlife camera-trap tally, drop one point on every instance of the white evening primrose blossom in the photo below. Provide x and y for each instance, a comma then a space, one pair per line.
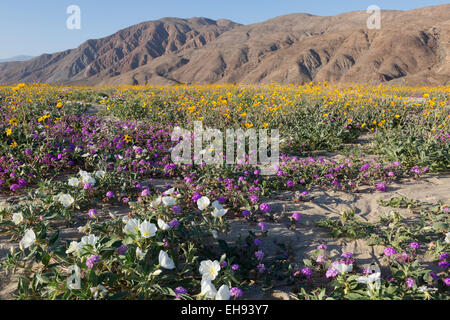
28, 239
66, 200
208, 290
147, 229
131, 226
156, 202
169, 192
203, 203
162, 225
169, 201
90, 241
17, 218
165, 261
74, 247
447, 237
74, 182
374, 277
223, 293
209, 269
342, 267
99, 174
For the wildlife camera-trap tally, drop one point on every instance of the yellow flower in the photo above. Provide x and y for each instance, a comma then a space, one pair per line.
59, 105
127, 138
397, 116
14, 122
325, 114
266, 124
8, 132
249, 125
13, 145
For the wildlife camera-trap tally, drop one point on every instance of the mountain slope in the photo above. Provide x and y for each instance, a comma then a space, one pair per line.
411, 46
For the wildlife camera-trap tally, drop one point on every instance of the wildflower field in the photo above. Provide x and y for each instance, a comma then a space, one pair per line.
92, 207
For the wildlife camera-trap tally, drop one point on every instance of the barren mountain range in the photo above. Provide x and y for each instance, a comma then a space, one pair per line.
410, 47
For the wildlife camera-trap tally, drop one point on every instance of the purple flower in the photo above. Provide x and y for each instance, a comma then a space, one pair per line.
307, 272
223, 264
92, 213
296, 216
221, 200
444, 256
264, 207
257, 242
261, 268
87, 186
254, 198
443, 264
92, 260
145, 192
390, 252
263, 226
322, 247
365, 167
246, 213
235, 267
381, 187
179, 290
174, 223
332, 273
235, 292
415, 245
176, 209
321, 259
259, 254
110, 194
122, 249
409, 282
446, 281
14, 187
289, 183
347, 255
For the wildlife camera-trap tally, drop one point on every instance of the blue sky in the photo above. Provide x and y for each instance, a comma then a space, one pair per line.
33, 27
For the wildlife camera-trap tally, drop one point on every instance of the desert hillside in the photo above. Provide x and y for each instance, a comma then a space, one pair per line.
410, 47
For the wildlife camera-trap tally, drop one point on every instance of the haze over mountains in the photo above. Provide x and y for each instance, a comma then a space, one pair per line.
411, 46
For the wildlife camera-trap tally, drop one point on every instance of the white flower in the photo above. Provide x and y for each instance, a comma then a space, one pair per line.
73, 247
216, 205
162, 225
219, 213
169, 201
342, 267
374, 277
203, 203
131, 227
223, 293
156, 272
147, 229
90, 240
100, 174
66, 200
88, 179
74, 182
165, 261
140, 254
208, 289
28, 239
169, 192
209, 269
156, 202
447, 237
214, 234
17, 218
